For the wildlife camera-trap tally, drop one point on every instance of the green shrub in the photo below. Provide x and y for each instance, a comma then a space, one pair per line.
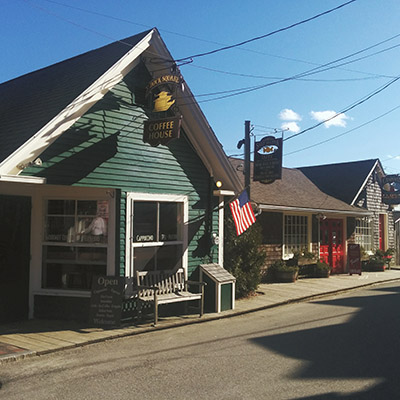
243, 257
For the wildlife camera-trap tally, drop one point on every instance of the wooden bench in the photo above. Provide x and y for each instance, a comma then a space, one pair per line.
165, 287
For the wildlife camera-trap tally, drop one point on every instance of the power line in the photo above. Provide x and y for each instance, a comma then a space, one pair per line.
344, 133
363, 100
279, 78
266, 35
200, 39
330, 65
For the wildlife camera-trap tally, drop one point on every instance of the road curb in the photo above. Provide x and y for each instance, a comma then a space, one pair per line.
142, 330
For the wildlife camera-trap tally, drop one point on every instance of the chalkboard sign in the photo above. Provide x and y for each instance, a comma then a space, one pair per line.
106, 301
354, 257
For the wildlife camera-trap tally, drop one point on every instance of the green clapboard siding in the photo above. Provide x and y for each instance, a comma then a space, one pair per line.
104, 148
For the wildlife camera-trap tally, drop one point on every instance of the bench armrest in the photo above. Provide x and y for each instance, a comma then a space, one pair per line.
143, 287
196, 283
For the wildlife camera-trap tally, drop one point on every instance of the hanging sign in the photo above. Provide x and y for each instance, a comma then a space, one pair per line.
354, 257
161, 127
161, 92
161, 131
391, 189
268, 159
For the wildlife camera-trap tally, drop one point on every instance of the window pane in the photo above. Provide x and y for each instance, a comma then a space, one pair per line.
92, 230
60, 229
70, 276
92, 254
144, 258
61, 207
170, 217
169, 257
145, 221
87, 207
296, 234
72, 267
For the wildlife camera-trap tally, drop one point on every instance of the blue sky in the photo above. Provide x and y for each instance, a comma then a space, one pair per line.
37, 33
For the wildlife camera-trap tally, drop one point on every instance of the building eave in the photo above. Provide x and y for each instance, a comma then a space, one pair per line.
349, 213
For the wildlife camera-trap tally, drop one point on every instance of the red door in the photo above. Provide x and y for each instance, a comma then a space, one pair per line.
381, 231
331, 247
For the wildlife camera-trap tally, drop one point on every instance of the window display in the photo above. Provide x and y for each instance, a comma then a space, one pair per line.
75, 243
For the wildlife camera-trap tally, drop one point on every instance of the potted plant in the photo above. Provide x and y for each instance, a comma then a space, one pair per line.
322, 270
376, 262
283, 272
388, 255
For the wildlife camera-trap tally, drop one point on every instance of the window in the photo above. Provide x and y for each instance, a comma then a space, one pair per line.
364, 235
295, 237
157, 233
75, 243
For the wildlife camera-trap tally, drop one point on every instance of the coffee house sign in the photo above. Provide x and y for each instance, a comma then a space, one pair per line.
162, 128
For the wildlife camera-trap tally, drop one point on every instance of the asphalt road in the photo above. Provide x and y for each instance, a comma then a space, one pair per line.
340, 347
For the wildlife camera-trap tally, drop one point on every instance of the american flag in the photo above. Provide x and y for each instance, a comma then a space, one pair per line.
242, 212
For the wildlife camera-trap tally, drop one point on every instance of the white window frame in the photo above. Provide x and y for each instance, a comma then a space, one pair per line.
286, 255
110, 239
131, 245
367, 224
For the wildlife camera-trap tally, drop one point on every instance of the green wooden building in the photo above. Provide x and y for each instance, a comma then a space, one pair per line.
82, 194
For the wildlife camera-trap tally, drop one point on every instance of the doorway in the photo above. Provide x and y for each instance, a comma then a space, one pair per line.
382, 230
15, 227
331, 247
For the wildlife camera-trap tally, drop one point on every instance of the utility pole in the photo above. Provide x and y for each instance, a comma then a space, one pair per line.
247, 156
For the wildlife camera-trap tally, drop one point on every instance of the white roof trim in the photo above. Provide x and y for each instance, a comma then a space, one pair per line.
223, 193
32, 148
363, 185
195, 124
23, 179
355, 213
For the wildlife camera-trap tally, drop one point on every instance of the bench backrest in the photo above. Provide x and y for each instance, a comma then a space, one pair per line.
168, 281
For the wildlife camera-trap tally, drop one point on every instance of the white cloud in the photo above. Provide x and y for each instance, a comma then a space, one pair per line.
291, 127
332, 118
289, 115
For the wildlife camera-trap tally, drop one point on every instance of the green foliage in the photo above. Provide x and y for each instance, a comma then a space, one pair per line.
282, 265
243, 257
390, 252
322, 266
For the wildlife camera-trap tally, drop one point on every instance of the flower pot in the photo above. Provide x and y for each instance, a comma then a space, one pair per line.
320, 273
286, 276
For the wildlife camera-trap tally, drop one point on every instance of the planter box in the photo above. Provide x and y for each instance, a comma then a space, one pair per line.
286, 276
375, 267
322, 274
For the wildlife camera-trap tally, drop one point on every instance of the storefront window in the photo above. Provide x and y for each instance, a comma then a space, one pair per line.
75, 243
157, 235
295, 234
363, 235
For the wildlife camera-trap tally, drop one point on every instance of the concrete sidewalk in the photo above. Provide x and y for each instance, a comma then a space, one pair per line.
37, 337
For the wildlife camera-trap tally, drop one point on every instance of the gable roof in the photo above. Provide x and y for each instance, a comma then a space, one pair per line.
29, 102
295, 192
345, 180
36, 108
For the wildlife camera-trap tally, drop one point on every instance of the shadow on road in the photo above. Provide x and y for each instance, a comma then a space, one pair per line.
367, 346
